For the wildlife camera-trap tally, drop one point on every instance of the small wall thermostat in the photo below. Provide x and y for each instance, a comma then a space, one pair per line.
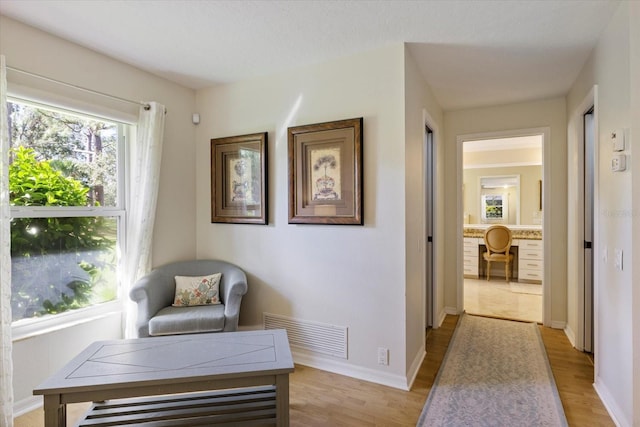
617, 139
618, 163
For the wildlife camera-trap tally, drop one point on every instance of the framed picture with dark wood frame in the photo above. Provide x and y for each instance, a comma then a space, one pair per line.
239, 179
325, 173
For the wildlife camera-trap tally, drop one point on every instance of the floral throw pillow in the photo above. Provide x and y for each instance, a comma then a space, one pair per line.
200, 290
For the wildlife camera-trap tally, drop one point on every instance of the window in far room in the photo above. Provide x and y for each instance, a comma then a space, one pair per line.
67, 211
492, 206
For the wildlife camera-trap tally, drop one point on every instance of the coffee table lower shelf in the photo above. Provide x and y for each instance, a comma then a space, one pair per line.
237, 407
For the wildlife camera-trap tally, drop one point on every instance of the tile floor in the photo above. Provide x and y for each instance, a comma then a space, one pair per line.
497, 298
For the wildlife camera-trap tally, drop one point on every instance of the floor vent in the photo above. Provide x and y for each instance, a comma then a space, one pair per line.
314, 336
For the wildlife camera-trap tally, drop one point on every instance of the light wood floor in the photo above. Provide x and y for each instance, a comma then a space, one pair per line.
320, 398
505, 300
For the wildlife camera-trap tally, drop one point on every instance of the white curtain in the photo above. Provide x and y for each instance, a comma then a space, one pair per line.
6, 363
143, 196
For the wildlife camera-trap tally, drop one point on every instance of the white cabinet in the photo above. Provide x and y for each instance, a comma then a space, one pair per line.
470, 254
530, 260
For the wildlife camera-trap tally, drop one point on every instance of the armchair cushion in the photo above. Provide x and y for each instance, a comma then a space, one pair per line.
180, 320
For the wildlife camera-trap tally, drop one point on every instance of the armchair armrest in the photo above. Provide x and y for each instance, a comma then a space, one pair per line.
235, 286
151, 293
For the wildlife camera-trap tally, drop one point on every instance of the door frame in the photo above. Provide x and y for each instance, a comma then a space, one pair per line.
429, 226
575, 231
437, 314
588, 258
545, 132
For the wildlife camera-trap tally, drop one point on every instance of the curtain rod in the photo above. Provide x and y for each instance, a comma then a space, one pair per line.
117, 98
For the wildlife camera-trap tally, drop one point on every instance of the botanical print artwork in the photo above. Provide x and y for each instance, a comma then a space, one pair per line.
245, 187
325, 174
239, 179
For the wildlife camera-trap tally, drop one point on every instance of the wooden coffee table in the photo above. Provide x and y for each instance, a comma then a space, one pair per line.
190, 380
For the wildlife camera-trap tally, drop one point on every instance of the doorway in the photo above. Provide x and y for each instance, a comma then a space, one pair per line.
507, 167
429, 225
582, 230
589, 168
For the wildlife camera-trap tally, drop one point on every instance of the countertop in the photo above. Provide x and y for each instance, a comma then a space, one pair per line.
532, 232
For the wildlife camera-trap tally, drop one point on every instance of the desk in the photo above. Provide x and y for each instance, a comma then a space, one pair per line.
527, 264
252, 367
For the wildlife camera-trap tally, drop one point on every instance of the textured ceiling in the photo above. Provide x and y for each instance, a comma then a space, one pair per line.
472, 53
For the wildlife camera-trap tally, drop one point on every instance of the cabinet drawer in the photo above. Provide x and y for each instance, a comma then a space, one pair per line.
530, 264
524, 274
470, 271
530, 254
471, 260
470, 241
470, 250
530, 244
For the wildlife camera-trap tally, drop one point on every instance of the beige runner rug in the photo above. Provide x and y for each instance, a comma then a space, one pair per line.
495, 373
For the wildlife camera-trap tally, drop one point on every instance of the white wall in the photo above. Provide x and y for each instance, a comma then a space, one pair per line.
613, 66
174, 236
549, 113
419, 101
36, 358
528, 195
351, 276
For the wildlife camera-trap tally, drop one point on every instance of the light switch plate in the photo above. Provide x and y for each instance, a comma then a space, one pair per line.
618, 259
617, 139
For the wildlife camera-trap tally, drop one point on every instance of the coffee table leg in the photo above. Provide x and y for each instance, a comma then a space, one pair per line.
282, 400
55, 413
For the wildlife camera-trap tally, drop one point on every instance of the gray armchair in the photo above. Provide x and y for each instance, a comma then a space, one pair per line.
154, 294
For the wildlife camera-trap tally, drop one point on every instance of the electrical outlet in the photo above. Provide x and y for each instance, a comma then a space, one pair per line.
618, 163
383, 356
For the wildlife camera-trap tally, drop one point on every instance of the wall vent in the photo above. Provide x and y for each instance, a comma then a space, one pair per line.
314, 336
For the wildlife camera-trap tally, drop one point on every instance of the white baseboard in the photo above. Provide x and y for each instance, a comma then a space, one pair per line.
570, 335
440, 318
610, 404
26, 405
326, 364
412, 373
451, 310
558, 324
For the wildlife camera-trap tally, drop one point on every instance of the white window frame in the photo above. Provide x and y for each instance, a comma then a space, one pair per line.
29, 327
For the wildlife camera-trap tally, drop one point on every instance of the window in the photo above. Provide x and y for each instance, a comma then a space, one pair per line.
65, 189
492, 207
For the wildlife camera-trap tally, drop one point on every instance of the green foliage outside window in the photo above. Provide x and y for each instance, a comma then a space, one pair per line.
36, 183
51, 166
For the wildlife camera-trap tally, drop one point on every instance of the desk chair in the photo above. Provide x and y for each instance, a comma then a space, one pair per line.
497, 239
